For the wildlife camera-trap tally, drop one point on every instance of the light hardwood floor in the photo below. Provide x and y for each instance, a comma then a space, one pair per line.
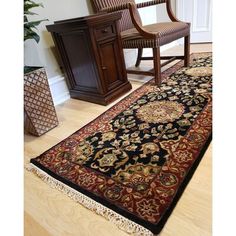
49, 212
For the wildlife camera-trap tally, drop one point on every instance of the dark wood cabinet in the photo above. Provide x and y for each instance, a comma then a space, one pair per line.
92, 57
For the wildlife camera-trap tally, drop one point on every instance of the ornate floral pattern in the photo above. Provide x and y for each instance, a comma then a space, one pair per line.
199, 71
160, 112
148, 209
134, 157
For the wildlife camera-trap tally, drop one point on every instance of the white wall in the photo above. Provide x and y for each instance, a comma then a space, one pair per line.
161, 11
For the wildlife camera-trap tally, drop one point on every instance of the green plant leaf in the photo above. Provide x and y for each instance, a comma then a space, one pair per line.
30, 5
30, 34
30, 13
29, 26
33, 24
25, 19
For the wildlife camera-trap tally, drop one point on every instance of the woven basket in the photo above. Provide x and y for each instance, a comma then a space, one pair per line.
40, 113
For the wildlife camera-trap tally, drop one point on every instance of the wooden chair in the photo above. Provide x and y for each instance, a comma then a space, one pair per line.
135, 35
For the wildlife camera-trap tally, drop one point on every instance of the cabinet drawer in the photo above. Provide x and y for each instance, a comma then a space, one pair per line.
104, 32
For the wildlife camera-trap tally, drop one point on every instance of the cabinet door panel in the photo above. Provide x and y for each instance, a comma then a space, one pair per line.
110, 56
80, 60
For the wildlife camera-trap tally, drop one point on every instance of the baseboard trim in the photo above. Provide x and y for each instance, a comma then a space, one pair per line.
56, 79
130, 57
59, 89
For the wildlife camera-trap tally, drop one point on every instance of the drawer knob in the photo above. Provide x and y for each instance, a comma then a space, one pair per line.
105, 31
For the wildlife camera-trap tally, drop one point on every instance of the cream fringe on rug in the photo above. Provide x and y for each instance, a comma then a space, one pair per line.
122, 222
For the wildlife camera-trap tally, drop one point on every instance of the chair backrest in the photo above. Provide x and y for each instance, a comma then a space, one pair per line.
125, 22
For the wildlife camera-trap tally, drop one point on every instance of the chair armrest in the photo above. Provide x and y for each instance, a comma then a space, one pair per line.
170, 12
135, 19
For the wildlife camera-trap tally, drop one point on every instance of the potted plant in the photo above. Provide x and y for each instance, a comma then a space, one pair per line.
40, 113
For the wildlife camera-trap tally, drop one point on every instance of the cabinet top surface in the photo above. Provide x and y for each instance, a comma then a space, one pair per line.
90, 20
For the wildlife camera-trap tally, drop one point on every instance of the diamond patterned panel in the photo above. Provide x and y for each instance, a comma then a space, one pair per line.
38, 104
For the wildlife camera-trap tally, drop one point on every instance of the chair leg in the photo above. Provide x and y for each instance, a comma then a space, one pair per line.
186, 50
157, 65
140, 53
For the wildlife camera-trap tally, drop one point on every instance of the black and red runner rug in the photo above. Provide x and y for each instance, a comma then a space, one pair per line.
132, 163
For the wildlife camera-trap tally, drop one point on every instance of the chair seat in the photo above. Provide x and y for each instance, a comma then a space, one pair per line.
166, 33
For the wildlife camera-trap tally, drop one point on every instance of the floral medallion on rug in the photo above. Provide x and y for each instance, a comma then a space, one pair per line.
132, 163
